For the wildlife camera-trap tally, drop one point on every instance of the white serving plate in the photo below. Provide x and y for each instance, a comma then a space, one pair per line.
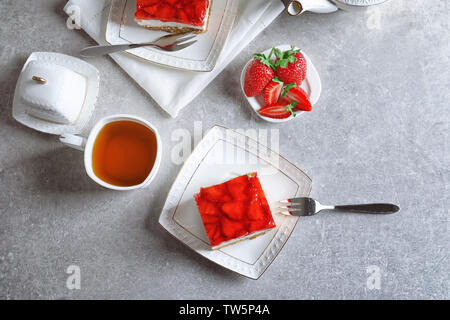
312, 86
221, 155
201, 56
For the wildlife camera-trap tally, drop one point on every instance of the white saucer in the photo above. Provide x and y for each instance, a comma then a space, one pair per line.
92, 89
312, 86
223, 154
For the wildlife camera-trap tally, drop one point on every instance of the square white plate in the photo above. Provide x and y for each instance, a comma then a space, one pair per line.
221, 155
201, 56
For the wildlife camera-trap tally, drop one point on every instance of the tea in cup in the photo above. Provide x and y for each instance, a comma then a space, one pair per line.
122, 152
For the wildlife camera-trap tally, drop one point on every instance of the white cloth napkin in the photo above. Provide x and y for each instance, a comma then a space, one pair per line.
174, 89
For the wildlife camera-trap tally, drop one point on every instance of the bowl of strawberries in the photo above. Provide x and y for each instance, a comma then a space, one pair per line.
281, 83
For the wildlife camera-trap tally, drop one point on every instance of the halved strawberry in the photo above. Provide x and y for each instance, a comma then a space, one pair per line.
256, 211
211, 208
215, 193
272, 91
237, 188
294, 93
278, 110
231, 229
165, 12
182, 16
210, 219
257, 75
189, 11
257, 225
199, 12
216, 235
211, 230
234, 209
151, 10
145, 3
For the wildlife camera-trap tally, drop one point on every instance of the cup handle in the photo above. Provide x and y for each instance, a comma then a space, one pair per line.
73, 141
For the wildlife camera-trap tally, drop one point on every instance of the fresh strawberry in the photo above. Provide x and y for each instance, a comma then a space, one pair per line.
237, 187
278, 110
257, 75
211, 209
147, 2
165, 12
210, 219
230, 228
190, 12
182, 16
294, 93
215, 193
234, 209
256, 211
216, 235
200, 9
151, 10
290, 66
272, 91
257, 225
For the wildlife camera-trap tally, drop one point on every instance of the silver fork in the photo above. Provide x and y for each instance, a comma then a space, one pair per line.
308, 207
170, 42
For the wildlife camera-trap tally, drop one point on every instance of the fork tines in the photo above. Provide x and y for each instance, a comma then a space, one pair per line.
287, 210
176, 41
301, 206
185, 38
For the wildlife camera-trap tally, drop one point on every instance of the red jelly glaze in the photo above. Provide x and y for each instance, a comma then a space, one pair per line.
234, 209
192, 12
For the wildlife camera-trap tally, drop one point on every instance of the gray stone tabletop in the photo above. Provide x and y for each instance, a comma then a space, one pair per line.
379, 133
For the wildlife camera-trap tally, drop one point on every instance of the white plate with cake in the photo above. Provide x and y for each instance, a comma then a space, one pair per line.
137, 21
223, 202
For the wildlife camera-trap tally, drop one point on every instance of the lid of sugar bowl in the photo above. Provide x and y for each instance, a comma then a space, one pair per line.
55, 93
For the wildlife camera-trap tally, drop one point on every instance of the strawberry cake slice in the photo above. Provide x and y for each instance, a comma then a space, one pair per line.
234, 211
174, 16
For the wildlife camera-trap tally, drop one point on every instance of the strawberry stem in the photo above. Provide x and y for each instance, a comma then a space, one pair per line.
271, 53
286, 57
287, 88
290, 107
264, 60
276, 79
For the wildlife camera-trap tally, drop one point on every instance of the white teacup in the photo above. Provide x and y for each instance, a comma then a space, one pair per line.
87, 144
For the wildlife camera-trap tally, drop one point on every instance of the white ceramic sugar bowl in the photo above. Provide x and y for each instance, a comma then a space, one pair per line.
55, 93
